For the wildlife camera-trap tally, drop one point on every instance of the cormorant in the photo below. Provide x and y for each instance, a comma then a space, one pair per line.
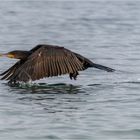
46, 61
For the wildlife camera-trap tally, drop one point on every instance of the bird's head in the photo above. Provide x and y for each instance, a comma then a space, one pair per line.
17, 54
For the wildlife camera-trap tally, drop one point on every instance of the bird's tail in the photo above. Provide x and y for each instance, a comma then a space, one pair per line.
101, 67
87, 63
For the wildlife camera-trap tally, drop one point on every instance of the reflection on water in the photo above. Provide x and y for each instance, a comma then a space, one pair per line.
52, 98
43, 88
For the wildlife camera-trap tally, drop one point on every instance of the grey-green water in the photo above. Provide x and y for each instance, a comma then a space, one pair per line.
99, 105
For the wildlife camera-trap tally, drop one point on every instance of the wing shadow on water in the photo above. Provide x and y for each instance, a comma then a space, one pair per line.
43, 88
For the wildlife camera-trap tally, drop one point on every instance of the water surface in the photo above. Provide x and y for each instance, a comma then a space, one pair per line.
99, 105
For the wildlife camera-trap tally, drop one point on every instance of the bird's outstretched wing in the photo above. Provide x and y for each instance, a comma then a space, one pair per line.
6, 74
47, 61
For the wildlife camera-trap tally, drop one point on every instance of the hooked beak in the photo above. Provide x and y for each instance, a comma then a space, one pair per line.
7, 55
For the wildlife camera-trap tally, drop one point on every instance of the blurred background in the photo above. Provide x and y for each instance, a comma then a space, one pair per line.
98, 105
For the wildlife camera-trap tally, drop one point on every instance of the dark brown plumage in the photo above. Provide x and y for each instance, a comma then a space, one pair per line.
46, 61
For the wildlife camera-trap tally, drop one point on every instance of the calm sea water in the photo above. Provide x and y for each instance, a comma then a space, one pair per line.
99, 105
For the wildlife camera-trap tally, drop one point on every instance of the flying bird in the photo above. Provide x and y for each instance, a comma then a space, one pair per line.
46, 61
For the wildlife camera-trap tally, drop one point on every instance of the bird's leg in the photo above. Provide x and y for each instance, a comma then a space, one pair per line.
73, 75
70, 75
